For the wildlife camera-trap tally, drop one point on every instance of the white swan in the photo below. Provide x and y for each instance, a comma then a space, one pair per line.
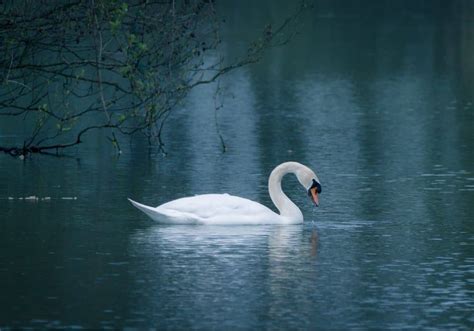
225, 209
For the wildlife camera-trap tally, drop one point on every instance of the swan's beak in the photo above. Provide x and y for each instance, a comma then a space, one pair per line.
314, 196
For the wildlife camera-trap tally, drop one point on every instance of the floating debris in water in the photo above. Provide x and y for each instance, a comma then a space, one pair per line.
34, 198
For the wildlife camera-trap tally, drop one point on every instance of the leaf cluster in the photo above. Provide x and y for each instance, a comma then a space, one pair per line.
69, 67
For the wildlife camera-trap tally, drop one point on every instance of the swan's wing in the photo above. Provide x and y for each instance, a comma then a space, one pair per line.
220, 208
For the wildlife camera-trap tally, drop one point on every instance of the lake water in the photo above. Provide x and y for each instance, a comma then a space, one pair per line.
377, 99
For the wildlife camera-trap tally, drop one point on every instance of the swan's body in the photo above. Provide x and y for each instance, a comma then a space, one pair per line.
210, 209
225, 209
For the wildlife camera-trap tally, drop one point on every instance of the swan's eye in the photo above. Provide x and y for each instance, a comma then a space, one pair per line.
318, 187
315, 185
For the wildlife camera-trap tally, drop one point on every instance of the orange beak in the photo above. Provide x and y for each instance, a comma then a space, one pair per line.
314, 196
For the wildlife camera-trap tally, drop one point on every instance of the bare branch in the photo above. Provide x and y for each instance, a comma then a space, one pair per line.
64, 65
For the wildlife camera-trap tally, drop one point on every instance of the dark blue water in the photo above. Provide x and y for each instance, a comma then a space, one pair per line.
378, 100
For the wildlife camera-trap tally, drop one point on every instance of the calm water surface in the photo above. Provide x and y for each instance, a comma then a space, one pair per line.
378, 100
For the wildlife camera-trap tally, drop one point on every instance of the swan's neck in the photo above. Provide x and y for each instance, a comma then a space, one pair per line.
285, 206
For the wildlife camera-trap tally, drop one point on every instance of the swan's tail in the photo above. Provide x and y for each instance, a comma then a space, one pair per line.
165, 216
150, 211
161, 216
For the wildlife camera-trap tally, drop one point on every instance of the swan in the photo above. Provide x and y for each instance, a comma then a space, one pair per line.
225, 209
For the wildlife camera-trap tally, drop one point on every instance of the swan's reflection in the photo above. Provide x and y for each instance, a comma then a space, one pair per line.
202, 270
314, 241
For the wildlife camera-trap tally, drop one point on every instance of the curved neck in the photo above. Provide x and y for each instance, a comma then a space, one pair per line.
285, 206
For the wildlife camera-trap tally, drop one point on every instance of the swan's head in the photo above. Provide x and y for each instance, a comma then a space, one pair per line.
310, 182
313, 192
